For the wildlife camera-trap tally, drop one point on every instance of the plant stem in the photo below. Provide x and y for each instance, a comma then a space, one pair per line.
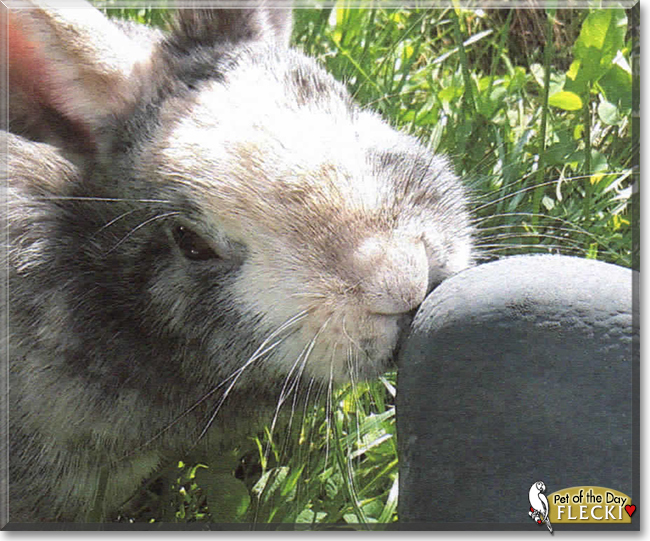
468, 108
468, 100
539, 177
587, 139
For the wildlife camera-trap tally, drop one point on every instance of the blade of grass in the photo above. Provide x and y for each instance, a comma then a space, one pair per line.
548, 48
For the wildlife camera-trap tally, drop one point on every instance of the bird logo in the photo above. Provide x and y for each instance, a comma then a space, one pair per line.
539, 505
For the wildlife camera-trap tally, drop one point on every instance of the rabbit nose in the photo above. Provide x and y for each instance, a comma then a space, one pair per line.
394, 272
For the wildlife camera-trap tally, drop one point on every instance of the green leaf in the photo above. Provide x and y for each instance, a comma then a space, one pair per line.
391, 502
518, 79
291, 481
616, 84
227, 496
585, 70
538, 73
488, 105
271, 481
599, 162
548, 202
601, 37
351, 518
621, 61
603, 29
333, 485
578, 131
307, 516
573, 70
608, 113
373, 508
450, 93
592, 253
557, 80
568, 101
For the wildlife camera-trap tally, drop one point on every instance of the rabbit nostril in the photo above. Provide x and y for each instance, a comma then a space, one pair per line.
396, 274
192, 245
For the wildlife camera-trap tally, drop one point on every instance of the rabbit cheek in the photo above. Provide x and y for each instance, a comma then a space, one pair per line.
351, 345
324, 327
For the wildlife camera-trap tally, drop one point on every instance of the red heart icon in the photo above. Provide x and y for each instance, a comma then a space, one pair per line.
630, 509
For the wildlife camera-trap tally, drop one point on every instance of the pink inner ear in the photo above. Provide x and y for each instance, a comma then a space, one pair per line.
26, 70
34, 74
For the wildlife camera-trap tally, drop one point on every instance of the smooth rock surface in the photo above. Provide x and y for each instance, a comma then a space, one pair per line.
516, 371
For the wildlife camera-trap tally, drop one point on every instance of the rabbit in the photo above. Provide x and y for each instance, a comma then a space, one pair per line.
202, 225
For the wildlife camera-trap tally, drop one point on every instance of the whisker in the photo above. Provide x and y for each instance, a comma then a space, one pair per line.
505, 236
146, 222
353, 367
347, 335
260, 351
352, 372
115, 220
513, 194
491, 249
257, 355
572, 228
294, 406
529, 215
306, 426
304, 355
328, 413
104, 199
314, 296
529, 188
525, 227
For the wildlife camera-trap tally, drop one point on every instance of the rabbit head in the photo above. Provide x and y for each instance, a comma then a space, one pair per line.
201, 213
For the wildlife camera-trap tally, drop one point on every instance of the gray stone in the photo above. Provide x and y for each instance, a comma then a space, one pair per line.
516, 371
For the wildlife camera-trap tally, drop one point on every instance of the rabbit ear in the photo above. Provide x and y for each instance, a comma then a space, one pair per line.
69, 68
253, 20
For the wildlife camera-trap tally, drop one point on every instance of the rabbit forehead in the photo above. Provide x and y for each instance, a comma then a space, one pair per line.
259, 163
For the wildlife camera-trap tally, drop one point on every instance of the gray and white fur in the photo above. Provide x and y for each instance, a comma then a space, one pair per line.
199, 221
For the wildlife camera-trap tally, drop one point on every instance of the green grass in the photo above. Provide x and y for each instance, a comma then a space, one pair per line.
543, 136
448, 78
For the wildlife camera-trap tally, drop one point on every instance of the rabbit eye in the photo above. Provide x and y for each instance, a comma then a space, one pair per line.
192, 245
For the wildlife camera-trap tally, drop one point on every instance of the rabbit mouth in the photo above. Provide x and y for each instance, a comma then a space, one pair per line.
347, 349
